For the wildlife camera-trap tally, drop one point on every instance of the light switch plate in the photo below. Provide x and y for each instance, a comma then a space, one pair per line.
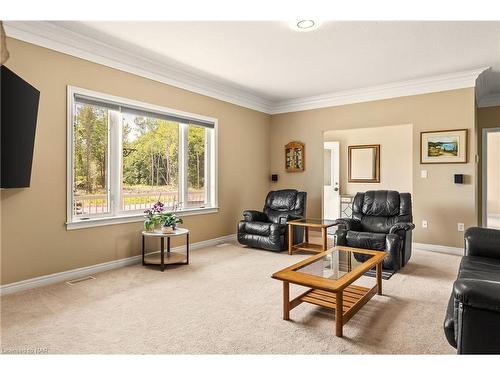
424, 223
423, 173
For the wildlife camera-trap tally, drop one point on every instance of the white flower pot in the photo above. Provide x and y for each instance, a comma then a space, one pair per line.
167, 230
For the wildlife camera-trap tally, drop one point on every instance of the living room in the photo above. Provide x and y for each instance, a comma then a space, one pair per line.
165, 190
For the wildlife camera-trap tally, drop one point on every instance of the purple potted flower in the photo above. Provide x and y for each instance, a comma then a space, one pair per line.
151, 217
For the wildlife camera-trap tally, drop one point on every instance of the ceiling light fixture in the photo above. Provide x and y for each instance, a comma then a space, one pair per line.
305, 25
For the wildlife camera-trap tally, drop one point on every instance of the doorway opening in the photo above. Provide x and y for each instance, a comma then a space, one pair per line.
491, 178
331, 178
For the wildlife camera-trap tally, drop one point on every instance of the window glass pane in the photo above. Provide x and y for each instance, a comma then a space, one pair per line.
150, 162
90, 181
196, 166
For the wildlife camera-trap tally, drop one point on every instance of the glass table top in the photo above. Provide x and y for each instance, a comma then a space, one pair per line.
334, 264
319, 222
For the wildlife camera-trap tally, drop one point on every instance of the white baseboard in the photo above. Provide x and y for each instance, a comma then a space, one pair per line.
438, 248
91, 270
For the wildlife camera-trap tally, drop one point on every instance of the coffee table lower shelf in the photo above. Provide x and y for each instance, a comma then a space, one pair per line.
352, 298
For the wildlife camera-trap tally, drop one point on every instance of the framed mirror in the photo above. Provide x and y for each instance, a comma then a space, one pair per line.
364, 163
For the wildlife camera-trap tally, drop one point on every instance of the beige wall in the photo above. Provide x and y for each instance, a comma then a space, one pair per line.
396, 155
34, 239
436, 199
35, 242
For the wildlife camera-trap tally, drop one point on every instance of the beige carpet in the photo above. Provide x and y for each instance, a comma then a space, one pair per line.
226, 302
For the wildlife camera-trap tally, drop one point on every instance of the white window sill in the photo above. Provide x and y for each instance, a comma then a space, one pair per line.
123, 219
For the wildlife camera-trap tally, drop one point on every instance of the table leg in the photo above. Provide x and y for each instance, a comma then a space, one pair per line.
143, 246
286, 300
324, 238
306, 234
168, 245
379, 278
162, 253
290, 239
338, 313
187, 248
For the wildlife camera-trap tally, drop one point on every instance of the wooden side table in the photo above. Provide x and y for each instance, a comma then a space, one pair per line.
323, 225
172, 257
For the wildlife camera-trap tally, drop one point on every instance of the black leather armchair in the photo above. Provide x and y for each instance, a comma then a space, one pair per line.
472, 322
268, 229
381, 220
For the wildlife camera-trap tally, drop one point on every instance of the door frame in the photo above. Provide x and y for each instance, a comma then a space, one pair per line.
335, 145
484, 177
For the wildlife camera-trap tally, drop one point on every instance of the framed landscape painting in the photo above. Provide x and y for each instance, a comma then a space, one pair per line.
443, 147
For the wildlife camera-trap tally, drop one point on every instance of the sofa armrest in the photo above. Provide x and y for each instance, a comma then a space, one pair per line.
341, 237
401, 226
449, 322
349, 224
251, 215
481, 294
482, 242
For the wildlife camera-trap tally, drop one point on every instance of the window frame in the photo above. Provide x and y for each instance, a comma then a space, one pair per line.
114, 173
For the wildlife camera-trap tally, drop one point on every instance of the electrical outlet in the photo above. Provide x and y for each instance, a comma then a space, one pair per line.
424, 223
423, 173
461, 227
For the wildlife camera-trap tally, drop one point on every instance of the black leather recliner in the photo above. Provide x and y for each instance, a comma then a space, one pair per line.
472, 322
381, 220
268, 229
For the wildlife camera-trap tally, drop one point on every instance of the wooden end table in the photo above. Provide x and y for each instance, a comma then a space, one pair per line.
322, 224
331, 276
172, 257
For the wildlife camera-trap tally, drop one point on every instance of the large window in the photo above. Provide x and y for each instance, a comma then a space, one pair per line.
124, 156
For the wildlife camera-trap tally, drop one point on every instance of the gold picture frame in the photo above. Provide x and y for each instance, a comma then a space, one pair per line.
295, 157
364, 163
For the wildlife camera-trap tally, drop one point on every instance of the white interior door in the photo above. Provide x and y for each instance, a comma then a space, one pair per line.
491, 178
331, 187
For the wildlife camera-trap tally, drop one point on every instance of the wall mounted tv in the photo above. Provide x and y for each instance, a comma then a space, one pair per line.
18, 115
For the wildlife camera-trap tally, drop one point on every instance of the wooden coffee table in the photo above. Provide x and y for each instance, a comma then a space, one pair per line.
330, 276
322, 224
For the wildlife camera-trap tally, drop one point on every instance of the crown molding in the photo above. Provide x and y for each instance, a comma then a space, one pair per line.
485, 97
443, 82
53, 36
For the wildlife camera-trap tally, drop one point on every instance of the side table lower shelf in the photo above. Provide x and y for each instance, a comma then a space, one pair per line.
170, 258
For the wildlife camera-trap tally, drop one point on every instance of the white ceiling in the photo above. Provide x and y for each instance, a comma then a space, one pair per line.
270, 60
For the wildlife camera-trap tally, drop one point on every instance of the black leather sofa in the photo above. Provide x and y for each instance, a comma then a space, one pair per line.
381, 220
472, 322
268, 229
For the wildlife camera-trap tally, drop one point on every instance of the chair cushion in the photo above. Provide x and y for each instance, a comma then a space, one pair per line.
366, 240
264, 229
282, 200
379, 210
378, 224
381, 203
274, 216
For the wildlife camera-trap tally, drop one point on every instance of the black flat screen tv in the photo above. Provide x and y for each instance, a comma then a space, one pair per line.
18, 116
